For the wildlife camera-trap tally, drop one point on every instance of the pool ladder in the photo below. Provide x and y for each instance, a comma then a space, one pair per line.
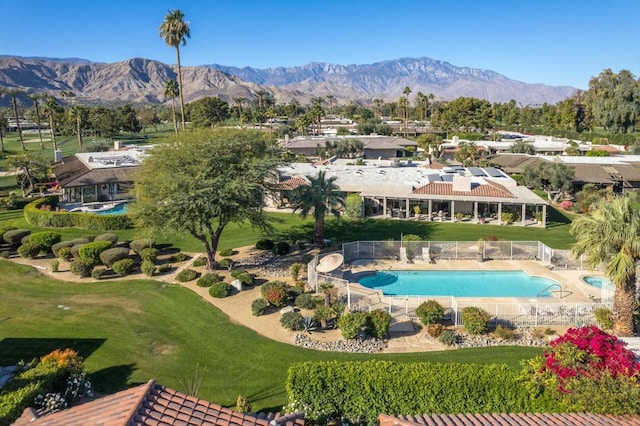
560, 289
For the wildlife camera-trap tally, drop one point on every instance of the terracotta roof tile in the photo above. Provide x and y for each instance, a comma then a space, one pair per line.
292, 183
517, 419
490, 189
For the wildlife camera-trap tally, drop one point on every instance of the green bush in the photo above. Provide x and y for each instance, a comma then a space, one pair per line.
359, 391
29, 250
81, 267
91, 251
259, 306
352, 324
264, 244
56, 247
149, 253
295, 269
148, 268
307, 301
143, 243
98, 273
226, 263
123, 267
245, 277
38, 217
275, 292
220, 290
113, 238
179, 257
378, 322
505, 333
281, 248
5, 254
430, 312
201, 261
64, 253
14, 237
45, 239
448, 338
475, 320
227, 252
291, 320
112, 255
207, 280
74, 251
604, 318
187, 275
25, 239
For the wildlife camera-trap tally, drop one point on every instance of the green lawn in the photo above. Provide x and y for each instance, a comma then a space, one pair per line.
132, 331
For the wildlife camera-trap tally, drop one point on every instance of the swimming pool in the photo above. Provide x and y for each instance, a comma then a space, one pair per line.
597, 282
459, 283
117, 209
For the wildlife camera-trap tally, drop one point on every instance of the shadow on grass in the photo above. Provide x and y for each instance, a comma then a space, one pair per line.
556, 218
16, 349
113, 379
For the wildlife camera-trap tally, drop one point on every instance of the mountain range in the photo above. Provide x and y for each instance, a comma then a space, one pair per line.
142, 80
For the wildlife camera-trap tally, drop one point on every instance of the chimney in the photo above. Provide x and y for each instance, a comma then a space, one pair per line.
461, 183
117, 145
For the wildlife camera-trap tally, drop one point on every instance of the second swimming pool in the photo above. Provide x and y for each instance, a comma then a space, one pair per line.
460, 283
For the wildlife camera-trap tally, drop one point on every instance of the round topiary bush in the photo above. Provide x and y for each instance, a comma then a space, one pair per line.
281, 248
226, 263
201, 261
112, 255
56, 247
64, 253
123, 267
187, 275
245, 277
227, 252
143, 243
207, 280
430, 312
264, 244
148, 268
112, 238
81, 267
475, 320
220, 290
291, 320
25, 239
80, 241
275, 292
15, 236
259, 306
30, 250
179, 257
306, 301
91, 251
149, 253
98, 273
45, 239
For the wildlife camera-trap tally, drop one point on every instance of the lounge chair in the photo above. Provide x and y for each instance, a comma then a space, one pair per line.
403, 255
426, 256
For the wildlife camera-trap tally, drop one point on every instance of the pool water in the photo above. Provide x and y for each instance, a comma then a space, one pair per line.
460, 283
597, 282
119, 209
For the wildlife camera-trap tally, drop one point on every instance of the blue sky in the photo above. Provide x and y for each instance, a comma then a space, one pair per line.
556, 42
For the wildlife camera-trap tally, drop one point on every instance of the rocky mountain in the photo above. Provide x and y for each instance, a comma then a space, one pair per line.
387, 80
142, 81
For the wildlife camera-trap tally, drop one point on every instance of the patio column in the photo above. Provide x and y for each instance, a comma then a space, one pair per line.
453, 211
362, 206
95, 192
408, 213
430, 209
500, 212
544, 215
384, 207
524, 211
475, 212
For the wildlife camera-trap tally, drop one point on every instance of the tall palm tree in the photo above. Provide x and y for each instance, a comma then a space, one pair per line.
406, 92
175, 31
239, 100
14, 103
321, 197
403, 105
35, 98
378, 103
611, 235
331, 99
76, 112
3, 121
51, 107
171, 91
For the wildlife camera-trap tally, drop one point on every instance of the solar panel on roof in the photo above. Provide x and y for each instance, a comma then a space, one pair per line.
447, 178
434, 178
476, 171
493, 172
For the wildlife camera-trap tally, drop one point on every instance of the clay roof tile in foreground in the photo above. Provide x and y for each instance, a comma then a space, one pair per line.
490, 189
519, 419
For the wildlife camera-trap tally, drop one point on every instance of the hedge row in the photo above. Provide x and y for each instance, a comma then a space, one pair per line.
36, 216
360, 391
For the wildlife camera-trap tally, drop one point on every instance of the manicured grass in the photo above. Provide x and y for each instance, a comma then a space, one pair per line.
132, 331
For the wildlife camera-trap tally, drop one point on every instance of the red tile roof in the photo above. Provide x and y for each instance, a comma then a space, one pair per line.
540, 419
292, 183
490, 189
152, 404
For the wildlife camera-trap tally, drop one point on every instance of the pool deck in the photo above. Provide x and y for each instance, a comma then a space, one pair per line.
575, 290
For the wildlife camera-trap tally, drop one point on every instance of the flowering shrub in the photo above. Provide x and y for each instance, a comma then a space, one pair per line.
566, 205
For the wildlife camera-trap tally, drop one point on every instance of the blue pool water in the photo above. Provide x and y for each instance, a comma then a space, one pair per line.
119, 209
459, 283
597, 282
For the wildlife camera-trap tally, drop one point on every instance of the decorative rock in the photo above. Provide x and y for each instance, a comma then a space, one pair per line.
287, 309
369, 346
237, 284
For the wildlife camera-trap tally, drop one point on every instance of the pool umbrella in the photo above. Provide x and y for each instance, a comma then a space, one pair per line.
330, 263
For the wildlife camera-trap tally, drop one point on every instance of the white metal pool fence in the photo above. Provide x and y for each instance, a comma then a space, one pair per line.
523, 313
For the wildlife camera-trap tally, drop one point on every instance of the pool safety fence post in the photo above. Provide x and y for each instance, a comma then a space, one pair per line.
454, 307
511, 250
406, 306
537, 310
348, 296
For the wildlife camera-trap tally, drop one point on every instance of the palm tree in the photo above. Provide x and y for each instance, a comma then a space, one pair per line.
51, 107
611, 235
171, 91
76, 112
14, 102
378, 103
175, 31
35, 98
239, 100
406, 93
331, 99
319, 198
3, 121
403, 105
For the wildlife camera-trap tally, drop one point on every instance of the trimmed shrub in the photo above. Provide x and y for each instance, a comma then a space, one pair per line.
29, 250
378, 322
25, 240
143, 243
55, 265
45, 239
226, 263
15, 236
179, 257
56, 247
207, 280
307, 301
475, 320
352, 324
113, 238
448, 338
430, 312
148, 268
123, 267
505, 333
226, 252
74, 251
264, 244
64, 253
81, 267
604, 318
38, 217
187, 275
291, 320
98, 273
201, 261
220, 290
245, 277
91, 251
281, 248
435, 330
80, 241
5, 254
112, 255
259, 306
275, 292
149, 253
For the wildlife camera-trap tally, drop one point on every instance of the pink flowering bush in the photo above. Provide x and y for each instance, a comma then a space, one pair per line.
566, 205
589, 370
